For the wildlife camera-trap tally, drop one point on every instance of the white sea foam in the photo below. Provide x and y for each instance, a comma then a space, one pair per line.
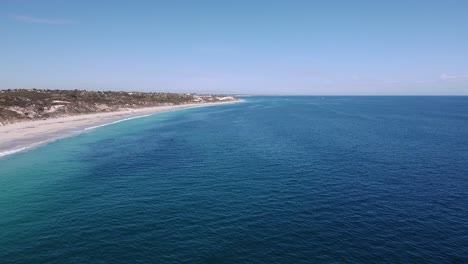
115, 122
13, 151
35, 144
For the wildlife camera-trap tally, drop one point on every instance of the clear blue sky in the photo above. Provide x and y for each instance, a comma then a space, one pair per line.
267, 47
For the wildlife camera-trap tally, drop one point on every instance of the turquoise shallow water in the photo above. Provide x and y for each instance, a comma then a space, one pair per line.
271, 180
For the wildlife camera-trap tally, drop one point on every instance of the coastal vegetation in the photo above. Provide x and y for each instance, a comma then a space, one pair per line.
33, 104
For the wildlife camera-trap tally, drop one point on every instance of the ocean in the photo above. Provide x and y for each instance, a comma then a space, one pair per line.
270, 180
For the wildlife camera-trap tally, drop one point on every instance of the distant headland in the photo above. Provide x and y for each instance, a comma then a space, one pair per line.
18, 105
31, 117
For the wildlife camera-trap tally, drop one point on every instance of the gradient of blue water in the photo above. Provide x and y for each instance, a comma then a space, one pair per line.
271, 180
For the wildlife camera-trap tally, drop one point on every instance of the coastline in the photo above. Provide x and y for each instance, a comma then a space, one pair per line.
27, 135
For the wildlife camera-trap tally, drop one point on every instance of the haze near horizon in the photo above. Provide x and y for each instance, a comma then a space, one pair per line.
246, 47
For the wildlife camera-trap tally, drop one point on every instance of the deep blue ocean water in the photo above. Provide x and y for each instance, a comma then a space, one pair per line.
271, 180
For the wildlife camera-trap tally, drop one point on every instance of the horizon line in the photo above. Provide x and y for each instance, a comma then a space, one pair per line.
241, 94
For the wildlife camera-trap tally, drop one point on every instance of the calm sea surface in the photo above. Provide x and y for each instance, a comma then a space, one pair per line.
271, 180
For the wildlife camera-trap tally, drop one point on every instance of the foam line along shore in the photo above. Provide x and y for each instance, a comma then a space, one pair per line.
23, 136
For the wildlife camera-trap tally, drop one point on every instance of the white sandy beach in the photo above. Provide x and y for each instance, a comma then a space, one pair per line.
26, 135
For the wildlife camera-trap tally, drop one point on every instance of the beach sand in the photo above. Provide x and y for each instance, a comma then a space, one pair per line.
26, 135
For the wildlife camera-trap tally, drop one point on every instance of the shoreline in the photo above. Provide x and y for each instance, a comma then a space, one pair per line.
22, 136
